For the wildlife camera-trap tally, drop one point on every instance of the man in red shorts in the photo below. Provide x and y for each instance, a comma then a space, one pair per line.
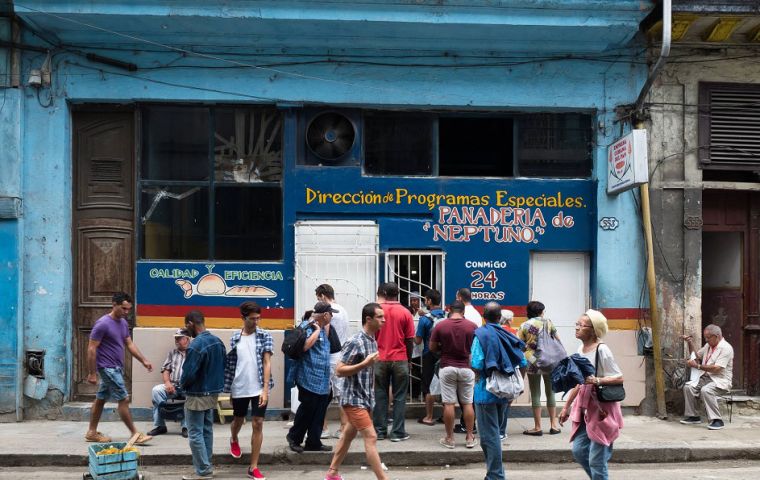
358, 393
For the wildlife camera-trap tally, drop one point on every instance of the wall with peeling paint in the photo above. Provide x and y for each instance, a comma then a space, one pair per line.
557, 85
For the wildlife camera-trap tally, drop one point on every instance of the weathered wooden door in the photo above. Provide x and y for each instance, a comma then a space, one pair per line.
730, 277
103, 225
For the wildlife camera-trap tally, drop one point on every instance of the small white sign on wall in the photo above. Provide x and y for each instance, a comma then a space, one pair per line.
627, 162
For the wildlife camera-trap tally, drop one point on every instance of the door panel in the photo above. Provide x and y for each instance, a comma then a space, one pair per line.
103, 236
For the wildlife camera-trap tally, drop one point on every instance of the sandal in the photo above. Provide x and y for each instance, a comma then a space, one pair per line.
471, 443
446, 443
97, 437
422, 421
142, 439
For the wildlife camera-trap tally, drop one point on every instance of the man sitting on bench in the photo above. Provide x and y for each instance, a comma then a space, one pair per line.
171, 372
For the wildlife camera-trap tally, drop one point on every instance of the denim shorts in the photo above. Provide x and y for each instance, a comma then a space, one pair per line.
111, 385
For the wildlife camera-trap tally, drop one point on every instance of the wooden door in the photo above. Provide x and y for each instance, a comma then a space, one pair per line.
103, 226
730, 285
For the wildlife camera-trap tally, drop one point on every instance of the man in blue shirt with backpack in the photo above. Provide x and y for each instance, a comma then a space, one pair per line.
429, 359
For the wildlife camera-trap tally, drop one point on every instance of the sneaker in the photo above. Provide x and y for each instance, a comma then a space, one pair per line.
235, 449
158, 431
142, 439
691, 420
333, 477
716, 424
296, 447
401, 438
504, 437
184, 432
381, 436
325, 434
337, 434
459, 428
195, 476
256, 474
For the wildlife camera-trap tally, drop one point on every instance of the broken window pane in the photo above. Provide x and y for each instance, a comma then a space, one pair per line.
248, 145
175, 222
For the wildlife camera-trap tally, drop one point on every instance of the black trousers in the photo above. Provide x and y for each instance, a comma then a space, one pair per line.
309, 418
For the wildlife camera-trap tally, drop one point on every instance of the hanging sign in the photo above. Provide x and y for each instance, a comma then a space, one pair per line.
627, 162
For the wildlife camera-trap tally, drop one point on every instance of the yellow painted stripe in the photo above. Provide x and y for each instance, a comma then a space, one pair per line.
212, 322
616, 324
723, 29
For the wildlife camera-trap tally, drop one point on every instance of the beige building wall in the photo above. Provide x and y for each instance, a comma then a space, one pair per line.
155, 343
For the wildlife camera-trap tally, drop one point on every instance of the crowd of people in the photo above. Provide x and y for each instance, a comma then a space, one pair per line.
463, 357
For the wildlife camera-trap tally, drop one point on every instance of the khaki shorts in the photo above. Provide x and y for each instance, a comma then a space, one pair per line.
457, 385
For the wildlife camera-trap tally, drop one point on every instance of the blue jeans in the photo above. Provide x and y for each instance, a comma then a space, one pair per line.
200, 424
489, 416
592, 456
504, 418
387, 374
159, 396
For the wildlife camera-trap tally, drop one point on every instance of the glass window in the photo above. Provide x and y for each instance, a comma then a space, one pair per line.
248, 145
248, 223
175, 143
475, 147
175, 222
398, 144
554, 145
177, 188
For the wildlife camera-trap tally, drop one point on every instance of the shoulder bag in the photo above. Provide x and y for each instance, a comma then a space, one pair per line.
607, 393
549, 350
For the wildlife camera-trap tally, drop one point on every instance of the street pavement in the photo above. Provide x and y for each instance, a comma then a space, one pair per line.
721, 469
642, 440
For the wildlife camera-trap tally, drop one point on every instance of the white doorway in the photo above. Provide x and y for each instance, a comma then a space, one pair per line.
342, 254
561, 282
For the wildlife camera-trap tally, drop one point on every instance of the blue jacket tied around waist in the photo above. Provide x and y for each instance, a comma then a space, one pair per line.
503, 351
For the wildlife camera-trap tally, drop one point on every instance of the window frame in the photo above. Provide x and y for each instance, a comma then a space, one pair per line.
704, 127
211, 184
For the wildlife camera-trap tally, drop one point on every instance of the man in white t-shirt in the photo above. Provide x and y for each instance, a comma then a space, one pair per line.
248, 379
470, 313
715, 365
326, 293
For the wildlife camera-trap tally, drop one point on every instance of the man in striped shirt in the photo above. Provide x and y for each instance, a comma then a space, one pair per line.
171, 372
357, 398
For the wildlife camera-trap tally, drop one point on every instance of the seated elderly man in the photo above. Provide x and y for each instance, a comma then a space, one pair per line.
715, 362
171, 371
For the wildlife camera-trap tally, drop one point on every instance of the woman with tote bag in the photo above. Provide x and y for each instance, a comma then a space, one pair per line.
529, 333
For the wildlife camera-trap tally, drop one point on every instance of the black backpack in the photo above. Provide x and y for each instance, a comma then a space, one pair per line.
292, 345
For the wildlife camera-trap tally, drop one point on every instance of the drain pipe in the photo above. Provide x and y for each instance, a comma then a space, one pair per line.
654, 314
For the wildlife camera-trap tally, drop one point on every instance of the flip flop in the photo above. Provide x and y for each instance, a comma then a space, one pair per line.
445, 443
422, 421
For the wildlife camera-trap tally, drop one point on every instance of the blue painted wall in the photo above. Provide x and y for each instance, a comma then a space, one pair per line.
557, 85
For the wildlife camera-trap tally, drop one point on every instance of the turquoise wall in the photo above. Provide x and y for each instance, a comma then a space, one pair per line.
44, 169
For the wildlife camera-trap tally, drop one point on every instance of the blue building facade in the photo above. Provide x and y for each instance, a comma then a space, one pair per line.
177, 149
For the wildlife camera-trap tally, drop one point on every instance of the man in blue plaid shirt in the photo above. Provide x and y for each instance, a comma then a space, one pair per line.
357, 399
248, 378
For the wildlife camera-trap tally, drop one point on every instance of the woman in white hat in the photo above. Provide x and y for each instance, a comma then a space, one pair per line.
596, 425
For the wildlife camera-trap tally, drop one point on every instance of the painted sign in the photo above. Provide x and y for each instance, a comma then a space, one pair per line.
627, 162
171, 289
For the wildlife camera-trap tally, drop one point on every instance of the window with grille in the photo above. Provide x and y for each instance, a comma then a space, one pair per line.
729, 126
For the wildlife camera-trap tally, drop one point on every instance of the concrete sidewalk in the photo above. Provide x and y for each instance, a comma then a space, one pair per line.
644, 439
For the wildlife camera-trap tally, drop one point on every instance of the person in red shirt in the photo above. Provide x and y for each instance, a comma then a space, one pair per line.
394, 345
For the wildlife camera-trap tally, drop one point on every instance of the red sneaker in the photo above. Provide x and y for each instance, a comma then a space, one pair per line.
235, 449
256, 474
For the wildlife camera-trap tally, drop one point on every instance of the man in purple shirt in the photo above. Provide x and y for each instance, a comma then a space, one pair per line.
105, 357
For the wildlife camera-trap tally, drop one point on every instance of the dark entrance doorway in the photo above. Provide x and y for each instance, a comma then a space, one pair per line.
103, 225
730, 272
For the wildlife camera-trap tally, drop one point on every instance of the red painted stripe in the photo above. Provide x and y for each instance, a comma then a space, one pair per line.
222, 312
